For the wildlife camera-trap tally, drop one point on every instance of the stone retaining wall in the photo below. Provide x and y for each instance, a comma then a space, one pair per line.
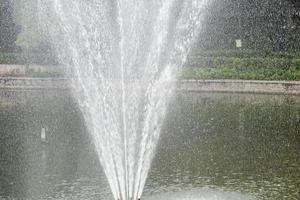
240, 86
237, 86
33, 83
21, 70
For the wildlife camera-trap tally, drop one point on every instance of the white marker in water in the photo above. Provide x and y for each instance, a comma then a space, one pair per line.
43, 135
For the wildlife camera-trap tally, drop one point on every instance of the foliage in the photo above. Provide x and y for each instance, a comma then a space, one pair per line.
245, 53
22, 58
38, 73
260, 24
26, 15
8, 28
29, 59
52, 74
254, 68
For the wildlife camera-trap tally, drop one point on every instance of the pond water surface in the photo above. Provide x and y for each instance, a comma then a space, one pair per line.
213, 146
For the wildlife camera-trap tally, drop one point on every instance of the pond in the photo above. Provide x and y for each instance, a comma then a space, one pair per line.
213, 145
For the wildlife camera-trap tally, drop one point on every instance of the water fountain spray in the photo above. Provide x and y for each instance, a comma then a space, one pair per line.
123, 57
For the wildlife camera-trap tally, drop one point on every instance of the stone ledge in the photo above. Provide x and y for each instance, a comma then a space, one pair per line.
237, 86
240, 86
33, 83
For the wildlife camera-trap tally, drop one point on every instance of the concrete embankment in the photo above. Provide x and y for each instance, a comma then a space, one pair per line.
16, 83
236, 86
240, 86
23, 70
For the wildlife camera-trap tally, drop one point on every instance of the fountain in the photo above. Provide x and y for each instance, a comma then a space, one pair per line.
123, 57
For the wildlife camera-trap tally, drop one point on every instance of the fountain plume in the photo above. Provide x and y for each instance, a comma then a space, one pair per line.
123, 56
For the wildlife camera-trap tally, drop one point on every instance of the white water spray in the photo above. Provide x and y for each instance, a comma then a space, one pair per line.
123, 55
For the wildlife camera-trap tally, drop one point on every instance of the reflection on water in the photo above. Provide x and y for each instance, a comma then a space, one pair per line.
233, 144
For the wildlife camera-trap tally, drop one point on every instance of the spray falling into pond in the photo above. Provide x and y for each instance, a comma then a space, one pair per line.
124, 56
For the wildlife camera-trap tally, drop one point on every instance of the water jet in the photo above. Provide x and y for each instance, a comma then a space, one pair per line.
108, 46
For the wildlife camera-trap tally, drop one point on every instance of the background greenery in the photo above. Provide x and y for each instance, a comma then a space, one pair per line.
27, 58
269, 31
247, 65
243, 65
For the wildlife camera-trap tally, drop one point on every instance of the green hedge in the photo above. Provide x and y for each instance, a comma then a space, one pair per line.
229, 64
32, 73
246, 53
32, 58
52, 74
291, 72
252, 68
235, 62
9, 58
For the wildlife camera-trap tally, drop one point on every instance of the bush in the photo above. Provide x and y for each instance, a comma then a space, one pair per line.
243, 64
235, 62
296, 64
32, 58
244, 74
246, 53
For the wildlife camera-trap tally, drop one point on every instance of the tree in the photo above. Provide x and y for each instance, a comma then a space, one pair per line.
296, 12
8, 28
261, 24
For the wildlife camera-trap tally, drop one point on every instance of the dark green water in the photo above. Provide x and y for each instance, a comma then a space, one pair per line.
246, 144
